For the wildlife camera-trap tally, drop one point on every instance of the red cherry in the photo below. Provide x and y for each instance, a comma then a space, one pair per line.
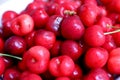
61, 66
40, 18
97, 74
29, 38
26, 75
109, 43
54, 23
22, 25
15, 45
11, 74
88, 14
105, 23
6, 22
44, 38
72, 49
114, 61
72, 28
37, 59
96, 57
55, 50
94, 36
77, 73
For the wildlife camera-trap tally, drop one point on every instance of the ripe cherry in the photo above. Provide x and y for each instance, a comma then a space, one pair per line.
40, 18
88, 14
11, 74
44, 38
61, 66
15, 45
94, 36
6, 22
62, 78
109, 43
96, 57
22, 25
37, 59
54, 23
71, 48
72, 28
114, 61
97, 74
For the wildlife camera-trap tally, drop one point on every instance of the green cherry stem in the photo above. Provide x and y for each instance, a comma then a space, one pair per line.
112, 32
8, 55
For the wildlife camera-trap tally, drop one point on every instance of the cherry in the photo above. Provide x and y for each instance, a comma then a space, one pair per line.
37, 59
44, 38
54, 23
6, 22
29, 38
109, 43
74, 29
96, 57
22, 25
15, 45
105, 22
26, 75
61, 66
33, 6
97, 74
88, 14
94, 36
71, 48
77, 73
113, 61
60, 1
40, 17
11, 74
8, 62
1, 45
2, 65
55, 50
51, 8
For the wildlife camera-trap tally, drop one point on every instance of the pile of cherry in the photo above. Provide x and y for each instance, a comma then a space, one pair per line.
61, 40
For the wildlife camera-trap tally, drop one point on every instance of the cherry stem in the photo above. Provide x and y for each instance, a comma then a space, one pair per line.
8, 55
112, 32
69, 12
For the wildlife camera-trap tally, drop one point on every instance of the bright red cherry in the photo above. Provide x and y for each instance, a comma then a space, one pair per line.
97, 74
40, 18
94, 36
96, 57
15, 45
72, 28
114, 61
37, 59
54, 23
88, 14
72, 49
44, 38
11, 74
61, 66
109, 43
77, 73
22, 25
